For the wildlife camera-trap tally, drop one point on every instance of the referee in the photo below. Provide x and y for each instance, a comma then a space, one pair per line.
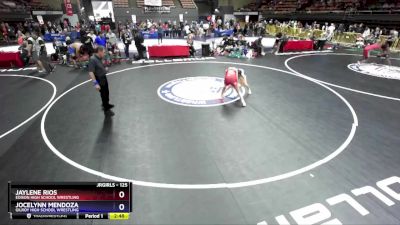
97, 73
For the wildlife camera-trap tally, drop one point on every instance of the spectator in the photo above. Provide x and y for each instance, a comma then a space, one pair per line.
101, 40
377, 32
166, 29
21, 37
44, 59
33, 51
127, 40
139, 45
24, 52
98, 27
341, 28
92, 35
160, 33
87, 42
4, 30
112, 38
367, 33
190, 43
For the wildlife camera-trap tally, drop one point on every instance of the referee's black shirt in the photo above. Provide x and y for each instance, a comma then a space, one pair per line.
96, 66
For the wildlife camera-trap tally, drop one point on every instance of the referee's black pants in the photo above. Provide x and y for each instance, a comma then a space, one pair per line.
104, 92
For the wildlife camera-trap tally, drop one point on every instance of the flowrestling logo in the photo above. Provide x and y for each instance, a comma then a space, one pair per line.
377, 70
384, 193
197, 92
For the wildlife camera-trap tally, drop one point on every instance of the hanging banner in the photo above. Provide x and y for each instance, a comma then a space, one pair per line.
153, 2
68, 8
247, 18
133, 18
181, 18
157, 9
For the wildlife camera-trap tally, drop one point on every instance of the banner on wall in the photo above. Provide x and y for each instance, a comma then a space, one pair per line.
157, 9
247, 18
133, 18
68, 8
153, 2
180, 17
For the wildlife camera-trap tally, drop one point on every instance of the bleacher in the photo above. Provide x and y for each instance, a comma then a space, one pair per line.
286, 6
382, 4
121, 3
39, 5
339, 5
188, 4
18, 7
168, 3
282, 6
289, 6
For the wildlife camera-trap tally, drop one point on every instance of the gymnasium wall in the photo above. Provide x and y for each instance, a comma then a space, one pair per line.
235, 3
124, 14
375, 19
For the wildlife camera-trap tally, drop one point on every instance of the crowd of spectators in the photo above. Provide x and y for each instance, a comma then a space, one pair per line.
76, 51
365, 33
341, 27
14, 31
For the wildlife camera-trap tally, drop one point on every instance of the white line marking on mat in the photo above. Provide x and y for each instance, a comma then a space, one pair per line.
40, 110
314, 165
335, 85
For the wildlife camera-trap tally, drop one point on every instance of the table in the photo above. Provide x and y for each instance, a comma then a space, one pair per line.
11, 59
168, 50
298, 46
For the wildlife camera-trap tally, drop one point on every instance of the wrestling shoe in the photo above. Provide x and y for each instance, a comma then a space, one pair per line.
108, 107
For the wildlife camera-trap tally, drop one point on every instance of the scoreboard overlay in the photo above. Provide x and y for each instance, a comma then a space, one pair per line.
70, 200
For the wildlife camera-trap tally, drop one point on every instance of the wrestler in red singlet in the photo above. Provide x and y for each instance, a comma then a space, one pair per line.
369, 48
235, 78
385, 48
231, 77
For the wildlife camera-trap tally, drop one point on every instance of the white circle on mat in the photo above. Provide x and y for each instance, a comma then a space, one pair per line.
247, 183
335, 85
376, 70
40, 110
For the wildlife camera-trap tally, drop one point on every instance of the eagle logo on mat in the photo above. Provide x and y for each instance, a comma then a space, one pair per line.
377, 70
197, 92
